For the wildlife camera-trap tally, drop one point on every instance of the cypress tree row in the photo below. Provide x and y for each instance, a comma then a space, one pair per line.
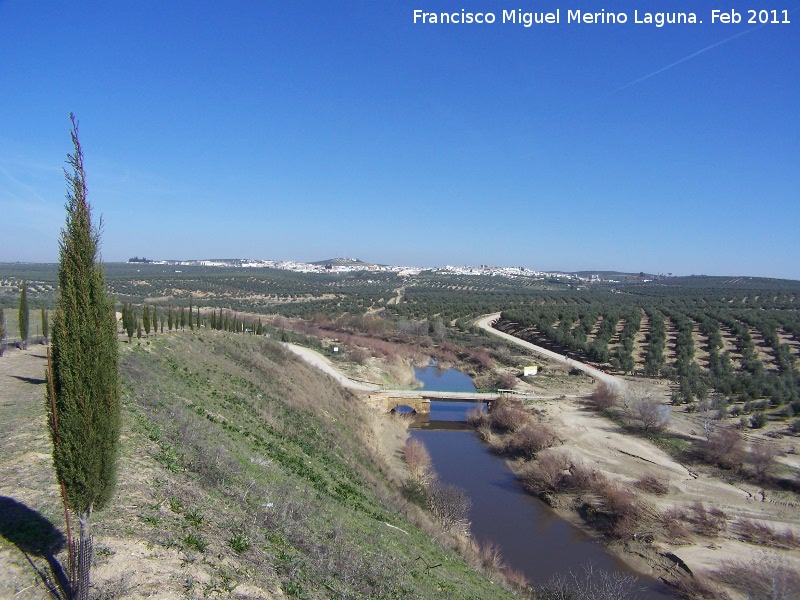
24, 315
83, 380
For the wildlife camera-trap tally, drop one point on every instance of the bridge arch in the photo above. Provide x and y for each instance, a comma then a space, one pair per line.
418, 404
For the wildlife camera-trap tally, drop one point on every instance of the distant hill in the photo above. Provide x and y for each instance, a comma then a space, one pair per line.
342, 262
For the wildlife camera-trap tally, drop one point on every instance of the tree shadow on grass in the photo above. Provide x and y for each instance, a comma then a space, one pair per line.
35, 536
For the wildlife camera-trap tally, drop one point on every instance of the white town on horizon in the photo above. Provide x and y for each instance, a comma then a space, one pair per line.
350, 265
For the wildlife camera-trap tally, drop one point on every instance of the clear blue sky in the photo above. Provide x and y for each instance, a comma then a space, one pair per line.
310, 129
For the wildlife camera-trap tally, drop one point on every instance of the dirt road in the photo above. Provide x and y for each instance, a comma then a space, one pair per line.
486, 322
323, 364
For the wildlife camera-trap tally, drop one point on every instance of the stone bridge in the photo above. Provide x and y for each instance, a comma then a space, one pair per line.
420, 405
420, 400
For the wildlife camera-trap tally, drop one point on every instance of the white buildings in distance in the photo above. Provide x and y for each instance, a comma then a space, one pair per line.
348, 265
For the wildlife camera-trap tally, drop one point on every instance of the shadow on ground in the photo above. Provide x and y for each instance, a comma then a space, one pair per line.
31, 380
35, 536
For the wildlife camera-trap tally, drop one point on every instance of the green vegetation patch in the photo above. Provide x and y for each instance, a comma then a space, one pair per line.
264, 465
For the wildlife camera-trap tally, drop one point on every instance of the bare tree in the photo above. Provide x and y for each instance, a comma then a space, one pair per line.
418, 461
724, 448
762, 457
646, 412
450, 505
590, 584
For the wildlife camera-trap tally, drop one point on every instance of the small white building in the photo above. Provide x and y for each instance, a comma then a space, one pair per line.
530, 371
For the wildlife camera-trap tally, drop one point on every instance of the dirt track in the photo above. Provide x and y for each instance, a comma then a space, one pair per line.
323, 364
486, 322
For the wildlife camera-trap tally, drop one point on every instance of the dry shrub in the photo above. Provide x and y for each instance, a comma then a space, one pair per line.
625, 528
450, 505
697, 586
621, 510
506, 381
529, 440
478, 417
646, 412
583, 479
758, 533
590, 584
708, 522
546, 473
674, 522
485, 433
490, 556
724, 448
766, 577
418, 460
497, 445
482, 359
652, 484
619, 502
516, 578
508, 415
762, 457
358, 355
604, 396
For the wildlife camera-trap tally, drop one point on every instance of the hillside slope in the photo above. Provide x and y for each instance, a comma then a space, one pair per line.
243, 473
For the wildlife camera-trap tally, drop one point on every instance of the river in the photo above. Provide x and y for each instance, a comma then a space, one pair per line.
532, 537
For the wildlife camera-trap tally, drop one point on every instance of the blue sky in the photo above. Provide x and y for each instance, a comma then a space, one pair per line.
307, 129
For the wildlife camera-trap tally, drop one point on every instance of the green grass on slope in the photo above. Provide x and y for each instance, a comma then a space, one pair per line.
264, 476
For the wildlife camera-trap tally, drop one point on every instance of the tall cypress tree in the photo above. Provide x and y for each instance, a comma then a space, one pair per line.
146, 319
2, 331
191, 323
129, 321
24, 315
83, 379
45, 326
